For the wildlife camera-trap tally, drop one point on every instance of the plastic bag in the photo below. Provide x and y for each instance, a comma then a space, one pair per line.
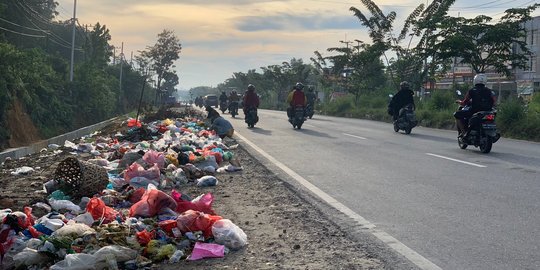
154, 157
201, 204
64, 204
29, 257
144, 237
99, 210
120, 253
207, 181
206, 250
85, 218
73, 230
80, 261
141, 182
151, 203
23, 170
191, 221
136, 169
227, 233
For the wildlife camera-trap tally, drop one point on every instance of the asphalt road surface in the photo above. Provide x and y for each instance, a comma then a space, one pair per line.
459, 209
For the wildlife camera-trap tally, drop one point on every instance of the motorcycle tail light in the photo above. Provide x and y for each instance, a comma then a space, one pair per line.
489, 117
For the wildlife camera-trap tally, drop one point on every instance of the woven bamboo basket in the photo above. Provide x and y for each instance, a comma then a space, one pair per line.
79, 178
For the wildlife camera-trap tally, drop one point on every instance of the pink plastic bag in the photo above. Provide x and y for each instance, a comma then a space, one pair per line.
151, 203
154, 157
206, 250
136, 169
204, 204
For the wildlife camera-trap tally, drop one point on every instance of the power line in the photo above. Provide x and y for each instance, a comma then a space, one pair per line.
12, 23
19, 33
49, 32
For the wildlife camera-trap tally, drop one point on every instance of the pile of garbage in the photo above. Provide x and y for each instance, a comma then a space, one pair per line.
117, 202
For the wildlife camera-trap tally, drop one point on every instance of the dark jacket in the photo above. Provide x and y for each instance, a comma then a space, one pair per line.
480, 98
402, 98
251, 99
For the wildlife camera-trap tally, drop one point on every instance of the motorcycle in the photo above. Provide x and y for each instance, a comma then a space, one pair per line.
482, 130
309, 111
298, 117
223, 106
251, 117
406, 120
233, 108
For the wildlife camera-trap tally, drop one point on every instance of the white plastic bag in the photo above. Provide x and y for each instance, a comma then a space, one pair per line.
227, 233
29, 257
64, 204
120, 253
74, 230
207, 181
80, 261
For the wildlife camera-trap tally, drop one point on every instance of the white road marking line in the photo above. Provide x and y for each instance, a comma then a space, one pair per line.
354, 136
457, 160
389, 240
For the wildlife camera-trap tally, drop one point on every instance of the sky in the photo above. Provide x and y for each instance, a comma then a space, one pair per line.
220, 37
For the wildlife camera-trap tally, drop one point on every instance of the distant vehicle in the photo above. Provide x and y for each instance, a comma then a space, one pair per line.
211, 100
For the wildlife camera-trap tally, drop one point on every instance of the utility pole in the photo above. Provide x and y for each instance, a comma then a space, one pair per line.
121, 71
73, 41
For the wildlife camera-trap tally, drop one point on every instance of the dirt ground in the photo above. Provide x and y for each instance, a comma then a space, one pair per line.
285, 231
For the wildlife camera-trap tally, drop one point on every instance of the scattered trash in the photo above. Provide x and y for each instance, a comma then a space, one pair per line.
117, 202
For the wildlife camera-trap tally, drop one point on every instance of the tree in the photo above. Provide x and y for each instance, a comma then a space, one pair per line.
98, 50
484, 45
162, 56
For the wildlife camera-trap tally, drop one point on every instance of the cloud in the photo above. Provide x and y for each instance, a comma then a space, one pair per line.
294, 22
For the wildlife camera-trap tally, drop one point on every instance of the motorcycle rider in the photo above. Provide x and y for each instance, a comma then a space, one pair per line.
311, 97
251, 99
223, 97
480, 98
403, 97
296, 98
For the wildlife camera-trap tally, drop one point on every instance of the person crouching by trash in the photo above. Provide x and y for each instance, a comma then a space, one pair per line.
222, 127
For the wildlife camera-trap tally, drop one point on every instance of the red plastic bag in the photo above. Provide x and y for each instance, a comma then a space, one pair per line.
29, 217
191, 221
151, 203
168, 226
97, 208
204, 204
137, 195
145, 236
133, 122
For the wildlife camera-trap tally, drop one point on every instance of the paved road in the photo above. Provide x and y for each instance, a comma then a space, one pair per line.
460, 209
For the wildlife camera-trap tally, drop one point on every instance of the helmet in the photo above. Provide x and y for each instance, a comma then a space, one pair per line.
233, 92
480, 78
251, 87
404, 85
299, 86
310, 88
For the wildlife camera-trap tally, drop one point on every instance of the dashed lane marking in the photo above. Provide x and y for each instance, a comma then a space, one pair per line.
457, 160
354, 136
389, 240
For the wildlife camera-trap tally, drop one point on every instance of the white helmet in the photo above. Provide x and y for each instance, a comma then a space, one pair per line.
480, 78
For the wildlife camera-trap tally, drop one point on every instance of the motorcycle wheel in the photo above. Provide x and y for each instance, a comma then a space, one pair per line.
408, 130
396, 128
461, 144
299, 126
486, 146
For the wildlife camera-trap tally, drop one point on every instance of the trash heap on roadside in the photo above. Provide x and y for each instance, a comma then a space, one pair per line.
118, 202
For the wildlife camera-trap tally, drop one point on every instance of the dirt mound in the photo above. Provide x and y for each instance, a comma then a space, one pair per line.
22, 130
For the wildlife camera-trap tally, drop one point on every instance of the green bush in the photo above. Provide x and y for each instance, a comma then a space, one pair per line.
510, 113
441, 100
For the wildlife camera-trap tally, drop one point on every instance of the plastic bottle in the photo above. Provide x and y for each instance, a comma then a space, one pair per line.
176, 257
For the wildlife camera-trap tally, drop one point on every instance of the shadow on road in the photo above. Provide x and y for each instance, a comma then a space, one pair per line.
430, 137
314, 133
260, 131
